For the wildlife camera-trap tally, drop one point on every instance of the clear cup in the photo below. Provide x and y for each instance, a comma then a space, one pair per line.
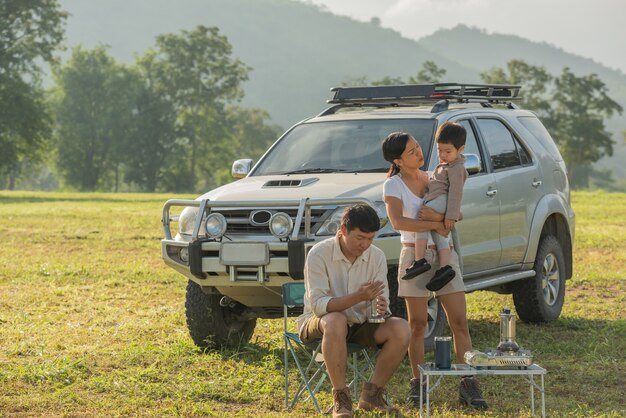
374, 317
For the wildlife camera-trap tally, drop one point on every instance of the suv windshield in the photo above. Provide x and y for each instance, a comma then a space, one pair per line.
340, 146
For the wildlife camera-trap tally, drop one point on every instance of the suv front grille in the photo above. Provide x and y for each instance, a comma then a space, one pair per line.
238, 220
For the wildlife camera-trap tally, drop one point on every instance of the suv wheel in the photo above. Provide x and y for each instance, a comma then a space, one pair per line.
436, 316
211, 324
540, 298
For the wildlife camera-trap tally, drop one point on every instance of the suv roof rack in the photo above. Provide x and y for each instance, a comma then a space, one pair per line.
420, 94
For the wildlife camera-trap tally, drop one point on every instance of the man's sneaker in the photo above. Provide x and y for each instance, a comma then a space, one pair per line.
419, 266
413, 398
469, 393
442, 277
373, 399
342, 403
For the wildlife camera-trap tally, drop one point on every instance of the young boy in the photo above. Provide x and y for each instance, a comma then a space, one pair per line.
444, 193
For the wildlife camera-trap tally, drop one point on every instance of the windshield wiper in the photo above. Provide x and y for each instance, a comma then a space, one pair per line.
315, 170
369, 170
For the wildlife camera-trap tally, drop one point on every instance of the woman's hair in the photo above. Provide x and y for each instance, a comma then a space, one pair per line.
393, 147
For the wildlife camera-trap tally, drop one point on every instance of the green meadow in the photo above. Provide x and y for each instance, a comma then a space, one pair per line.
92, 323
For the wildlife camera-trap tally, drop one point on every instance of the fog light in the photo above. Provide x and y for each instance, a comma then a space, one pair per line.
281, 225
215, 225
183, 254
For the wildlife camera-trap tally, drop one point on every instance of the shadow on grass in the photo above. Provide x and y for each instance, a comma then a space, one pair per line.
248, 352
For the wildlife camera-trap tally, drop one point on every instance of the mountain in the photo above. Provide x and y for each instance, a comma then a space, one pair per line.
298, 51
480, 50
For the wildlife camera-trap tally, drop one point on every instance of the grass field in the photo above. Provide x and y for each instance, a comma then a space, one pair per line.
92, 322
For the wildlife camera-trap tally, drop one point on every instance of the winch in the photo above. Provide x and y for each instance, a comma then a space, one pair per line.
507, 354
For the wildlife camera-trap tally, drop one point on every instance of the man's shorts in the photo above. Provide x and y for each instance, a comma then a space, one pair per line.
358, 333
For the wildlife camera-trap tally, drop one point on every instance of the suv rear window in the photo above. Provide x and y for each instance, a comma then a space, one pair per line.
352, 145
539, 131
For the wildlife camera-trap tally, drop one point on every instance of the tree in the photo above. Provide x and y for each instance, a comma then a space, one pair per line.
95, 100
572, 108
428, 73
196, 73
535, 80
580, 106
250, 133
30, 31
153, 134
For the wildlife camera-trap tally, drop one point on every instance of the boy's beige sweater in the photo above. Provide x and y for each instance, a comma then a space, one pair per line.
448, 178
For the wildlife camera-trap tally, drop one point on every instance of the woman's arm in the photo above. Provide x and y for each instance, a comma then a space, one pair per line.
402, 223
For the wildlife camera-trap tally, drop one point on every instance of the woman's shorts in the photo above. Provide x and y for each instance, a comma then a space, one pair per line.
417, 287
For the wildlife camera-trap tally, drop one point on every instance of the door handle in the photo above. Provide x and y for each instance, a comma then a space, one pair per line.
536, 183
492, 193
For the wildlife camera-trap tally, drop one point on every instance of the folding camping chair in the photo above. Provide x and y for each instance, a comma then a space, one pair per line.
308, 357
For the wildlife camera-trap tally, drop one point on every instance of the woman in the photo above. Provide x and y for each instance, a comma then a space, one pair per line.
403, 192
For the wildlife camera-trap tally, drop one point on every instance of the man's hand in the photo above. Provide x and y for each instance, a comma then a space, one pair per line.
449, 223
370, 290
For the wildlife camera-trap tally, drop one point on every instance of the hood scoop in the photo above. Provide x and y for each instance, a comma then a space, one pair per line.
290, 183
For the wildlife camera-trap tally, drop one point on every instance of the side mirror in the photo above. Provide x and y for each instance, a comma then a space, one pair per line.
241, 168
473, 164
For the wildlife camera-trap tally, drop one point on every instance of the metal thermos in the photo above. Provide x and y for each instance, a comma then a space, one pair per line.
507, 332
443, 346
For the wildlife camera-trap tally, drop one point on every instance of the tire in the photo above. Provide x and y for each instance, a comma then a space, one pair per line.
212, 325
436, 316
540, 298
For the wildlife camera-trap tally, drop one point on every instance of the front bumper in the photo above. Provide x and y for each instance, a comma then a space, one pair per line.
256, 265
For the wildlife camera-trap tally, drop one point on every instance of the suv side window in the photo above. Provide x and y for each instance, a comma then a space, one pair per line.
471, 143
504, 149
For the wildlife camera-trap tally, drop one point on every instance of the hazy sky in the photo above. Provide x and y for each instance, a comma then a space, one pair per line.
593, 29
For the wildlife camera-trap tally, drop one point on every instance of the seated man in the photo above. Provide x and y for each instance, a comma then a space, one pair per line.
341, 276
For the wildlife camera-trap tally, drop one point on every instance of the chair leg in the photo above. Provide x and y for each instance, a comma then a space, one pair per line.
305, 383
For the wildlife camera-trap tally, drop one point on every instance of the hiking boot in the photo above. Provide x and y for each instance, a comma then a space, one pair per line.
418, 267
441, 278
342, 403
413, 398
469, 393
373, 399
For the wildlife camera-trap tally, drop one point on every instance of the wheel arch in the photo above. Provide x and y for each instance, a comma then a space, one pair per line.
550, 218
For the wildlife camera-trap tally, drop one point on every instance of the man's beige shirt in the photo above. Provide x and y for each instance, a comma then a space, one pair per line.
328, 274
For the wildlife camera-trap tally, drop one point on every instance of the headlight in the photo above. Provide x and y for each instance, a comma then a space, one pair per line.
331, 225
382, 213
187, 220
215, 225
281, 225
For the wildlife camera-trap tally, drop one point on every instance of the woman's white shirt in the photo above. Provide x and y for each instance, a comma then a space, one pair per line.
411, 203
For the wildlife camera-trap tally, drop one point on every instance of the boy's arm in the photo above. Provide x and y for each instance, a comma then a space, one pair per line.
456, 176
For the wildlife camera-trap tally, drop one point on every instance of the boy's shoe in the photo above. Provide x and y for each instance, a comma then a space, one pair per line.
442, 277
373, 399
469, 393
419, 266
413, 398
342, 403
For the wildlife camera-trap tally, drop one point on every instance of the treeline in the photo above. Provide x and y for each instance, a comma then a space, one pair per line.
171, 120
168, 122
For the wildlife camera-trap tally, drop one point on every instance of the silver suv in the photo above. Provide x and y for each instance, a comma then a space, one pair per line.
239, 243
